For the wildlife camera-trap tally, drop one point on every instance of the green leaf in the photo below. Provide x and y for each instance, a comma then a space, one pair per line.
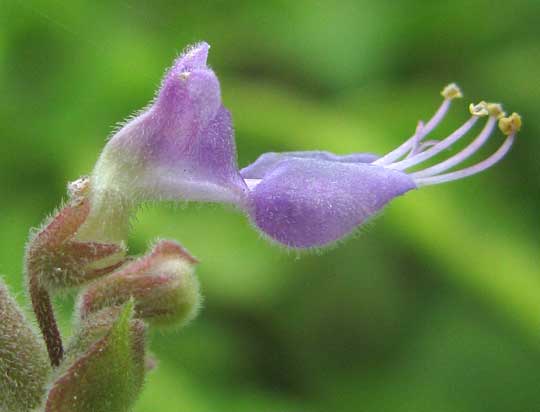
108, 376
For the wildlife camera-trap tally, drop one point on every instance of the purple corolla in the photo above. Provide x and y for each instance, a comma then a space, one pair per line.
182, 148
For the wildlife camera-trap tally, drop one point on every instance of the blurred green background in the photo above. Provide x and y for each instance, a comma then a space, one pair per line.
434, 307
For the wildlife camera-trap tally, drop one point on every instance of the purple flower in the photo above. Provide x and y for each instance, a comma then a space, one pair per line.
182, 147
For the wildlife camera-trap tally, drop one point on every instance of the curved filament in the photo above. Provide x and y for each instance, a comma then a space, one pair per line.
460, 174
417, 137
439, 147
472, 148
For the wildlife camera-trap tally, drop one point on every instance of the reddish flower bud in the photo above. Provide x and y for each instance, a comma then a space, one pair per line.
162, 283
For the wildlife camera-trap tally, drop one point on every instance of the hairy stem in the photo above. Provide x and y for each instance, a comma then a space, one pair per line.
42, 306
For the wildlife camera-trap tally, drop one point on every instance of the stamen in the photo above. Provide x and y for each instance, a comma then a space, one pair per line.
480, 109
416, 143
482, 137
496, 110
439, 147
426, 145
460, 174
449, 93
452, 91
422, 147
511, 124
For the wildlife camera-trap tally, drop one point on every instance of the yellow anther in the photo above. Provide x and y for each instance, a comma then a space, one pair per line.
496, 110
511, 124
451, 91
480, 109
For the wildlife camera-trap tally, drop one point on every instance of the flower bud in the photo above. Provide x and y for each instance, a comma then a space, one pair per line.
162, 283
24, 365
108, 376
58, 259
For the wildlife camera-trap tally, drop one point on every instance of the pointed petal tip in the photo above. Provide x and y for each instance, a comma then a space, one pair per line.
193, 57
